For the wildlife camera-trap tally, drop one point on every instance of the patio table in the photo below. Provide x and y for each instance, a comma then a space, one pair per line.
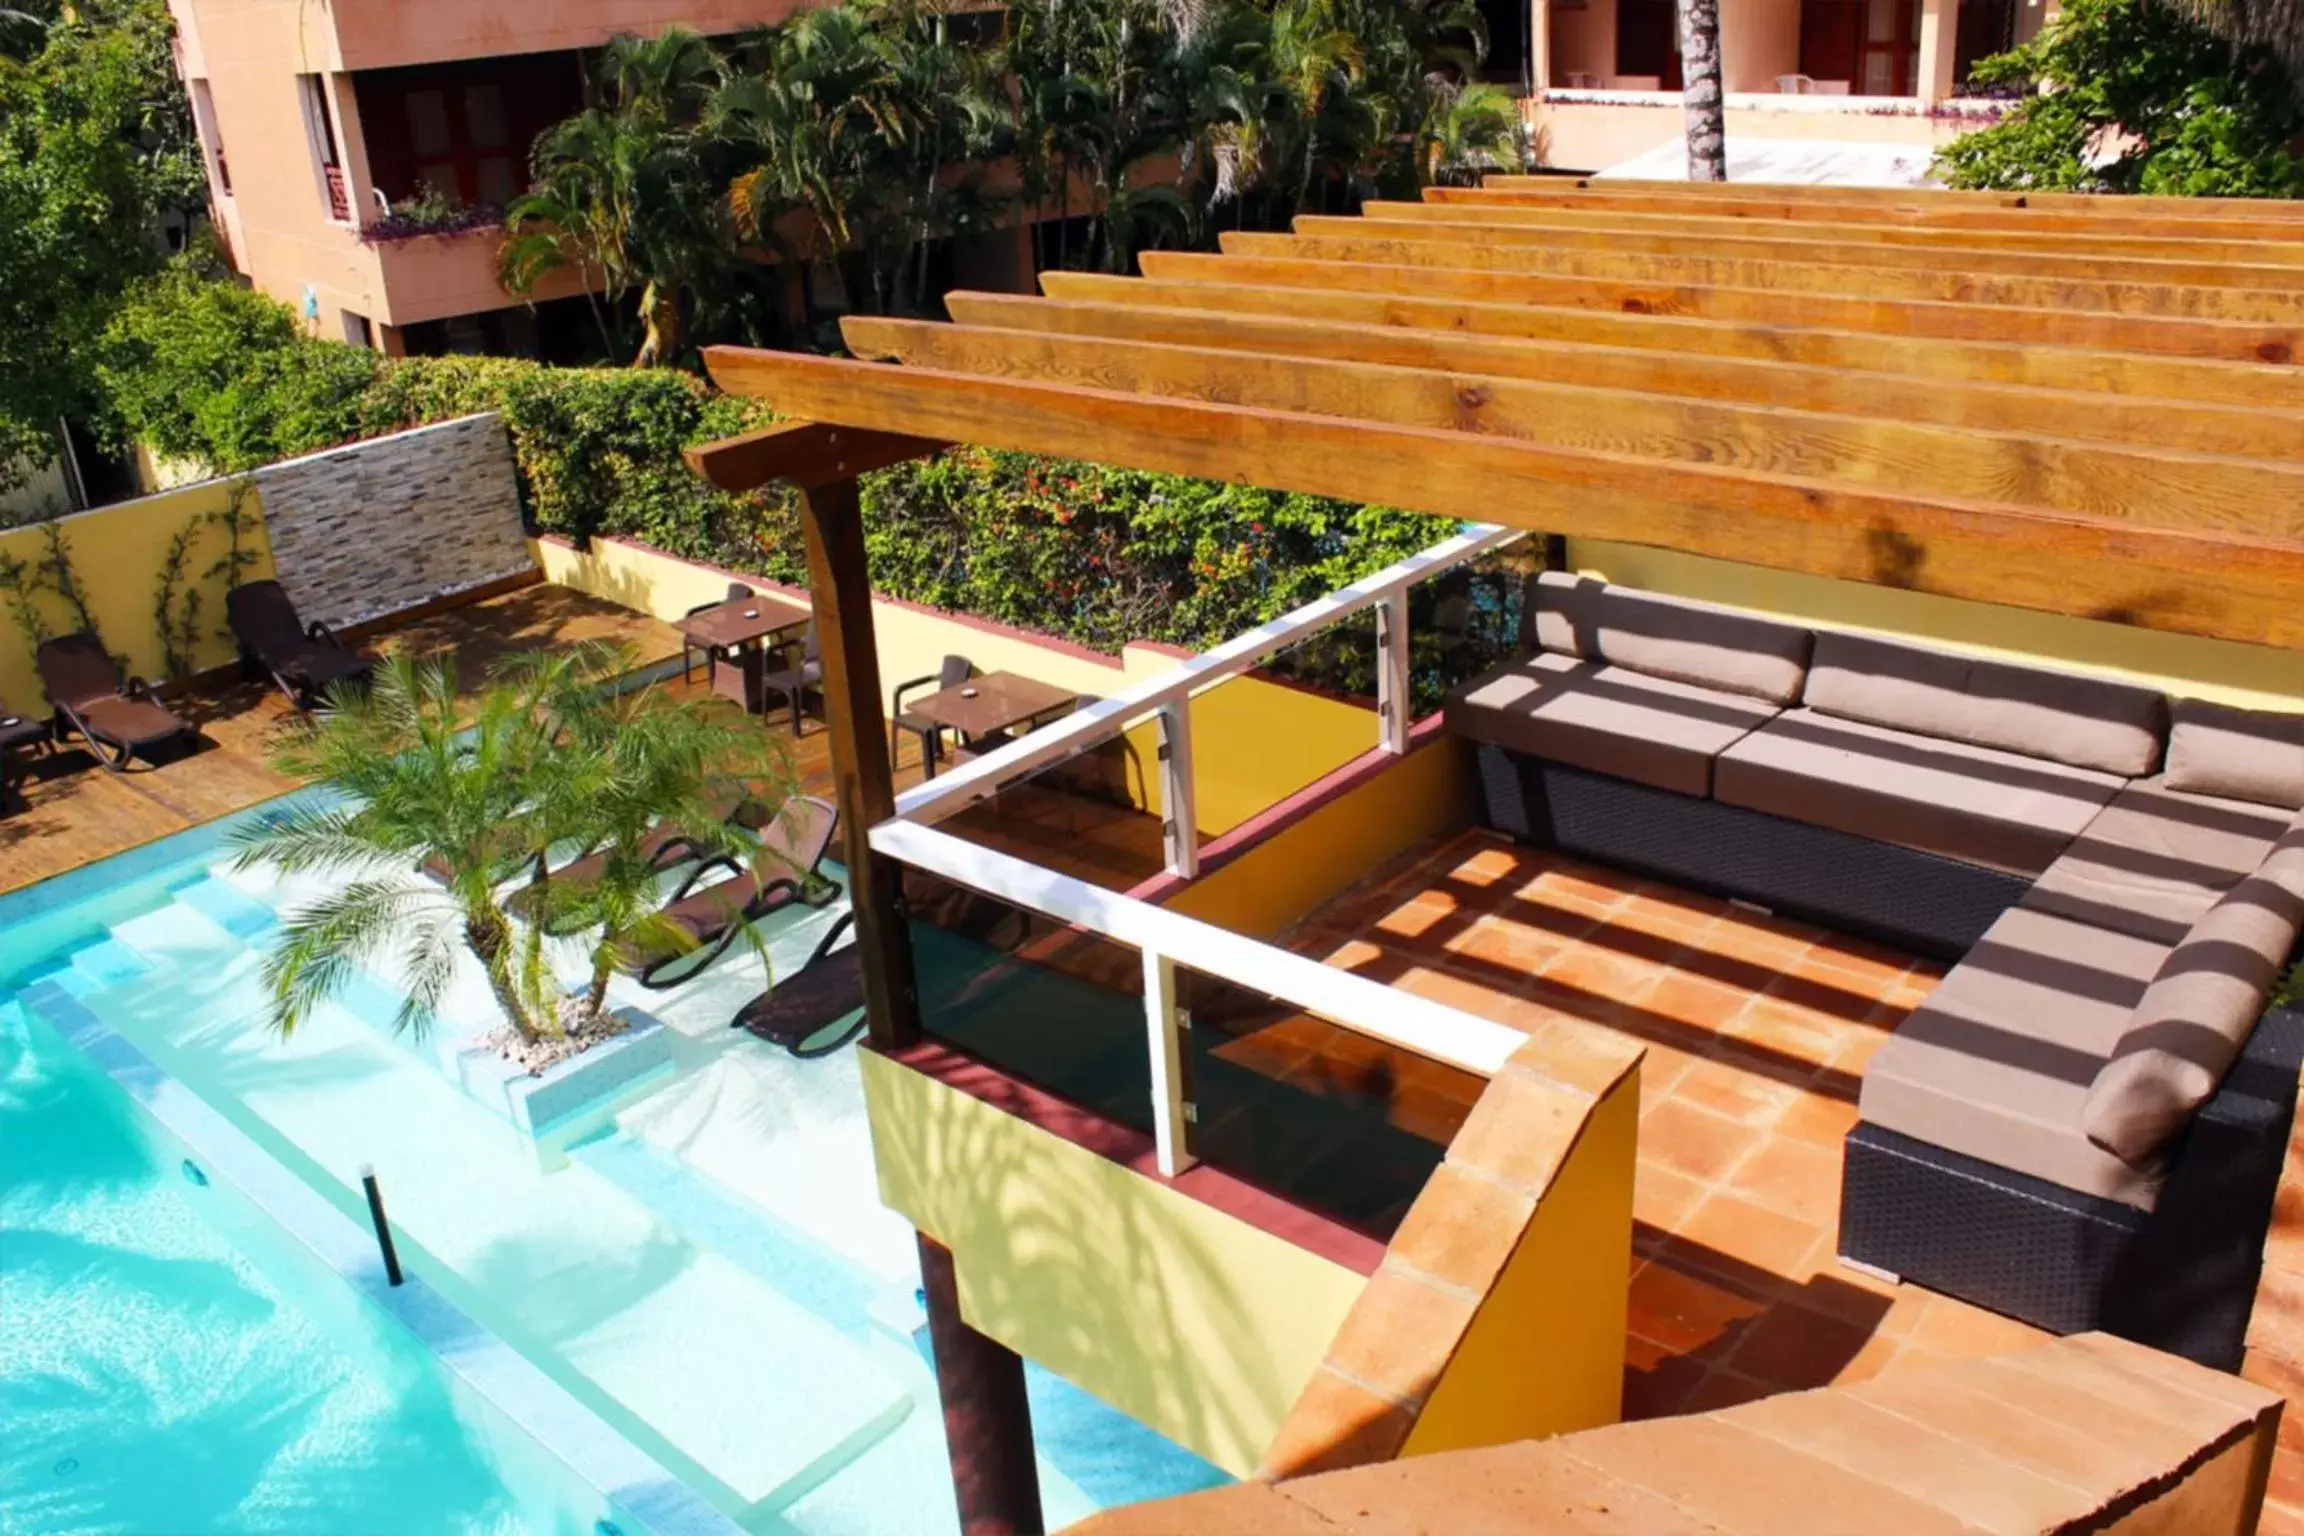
989, 705
734, 633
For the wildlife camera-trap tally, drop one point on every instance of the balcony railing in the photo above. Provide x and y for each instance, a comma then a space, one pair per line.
1160, 1020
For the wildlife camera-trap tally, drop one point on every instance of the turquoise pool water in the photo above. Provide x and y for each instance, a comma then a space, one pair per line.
155, 1376
708, 1273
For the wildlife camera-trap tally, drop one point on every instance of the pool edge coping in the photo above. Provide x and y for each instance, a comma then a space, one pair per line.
594, 1452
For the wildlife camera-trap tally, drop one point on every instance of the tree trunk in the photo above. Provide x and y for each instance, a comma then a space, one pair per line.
662, 335
490, 937
1700, 92
603, 967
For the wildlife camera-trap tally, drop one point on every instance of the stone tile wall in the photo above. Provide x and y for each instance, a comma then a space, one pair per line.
394, 522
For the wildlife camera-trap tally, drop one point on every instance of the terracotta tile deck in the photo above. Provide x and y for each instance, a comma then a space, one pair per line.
1757, 1031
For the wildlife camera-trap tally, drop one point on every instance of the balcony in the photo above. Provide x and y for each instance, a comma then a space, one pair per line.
385, 34
1245, 925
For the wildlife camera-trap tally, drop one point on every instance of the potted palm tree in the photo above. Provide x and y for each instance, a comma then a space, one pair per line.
494, 799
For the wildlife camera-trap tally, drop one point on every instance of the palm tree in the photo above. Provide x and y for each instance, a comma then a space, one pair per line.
626, 763
480, 795
1703, 105
1468, 130
626, 192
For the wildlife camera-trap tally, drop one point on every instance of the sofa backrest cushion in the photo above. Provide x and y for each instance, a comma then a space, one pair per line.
2084, 721
1561, 613
2241, 754
2192, 1021
1693, 642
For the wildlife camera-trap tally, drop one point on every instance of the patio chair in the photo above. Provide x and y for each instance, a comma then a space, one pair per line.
826, 993
666, 847
306, 661
782, 874
115, 714
688, 647
22, 738
954, 671
805, 670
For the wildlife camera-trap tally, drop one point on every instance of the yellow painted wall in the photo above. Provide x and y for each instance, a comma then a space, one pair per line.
1190, 1321
2254, 676
116, 553
1280, 879
1545, 1352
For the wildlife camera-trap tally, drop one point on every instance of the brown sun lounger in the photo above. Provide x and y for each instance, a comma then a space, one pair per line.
116, 715
306, 661
666, 847
780, 876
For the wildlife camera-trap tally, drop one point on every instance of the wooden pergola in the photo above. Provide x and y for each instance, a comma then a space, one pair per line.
2085, 406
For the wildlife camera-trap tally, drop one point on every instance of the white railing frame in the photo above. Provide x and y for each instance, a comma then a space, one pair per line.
1370, 1008
1166, 939
982, 778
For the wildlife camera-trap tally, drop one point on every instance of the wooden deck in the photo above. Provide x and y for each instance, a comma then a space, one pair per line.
75, 813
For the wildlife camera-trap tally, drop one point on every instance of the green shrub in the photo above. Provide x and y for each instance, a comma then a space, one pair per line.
203, 370
2131, 96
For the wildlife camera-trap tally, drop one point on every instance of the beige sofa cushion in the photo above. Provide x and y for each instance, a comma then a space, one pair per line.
1609, 720
1561, 613
2155, 860
2190, 1025
2242, 754
1698, 643
2083, 721
1963, 802
1998, 1061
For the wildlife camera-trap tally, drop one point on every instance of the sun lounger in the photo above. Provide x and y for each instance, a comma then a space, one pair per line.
116, 715
667, 847
306, 661
801, 1010
780, 876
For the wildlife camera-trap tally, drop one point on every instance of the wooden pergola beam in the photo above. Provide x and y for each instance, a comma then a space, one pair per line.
2174, 258
2236, 495
1527, 250
1415, 268
1951, 361
802, 453
1998, 408
2196, 582
1761, 205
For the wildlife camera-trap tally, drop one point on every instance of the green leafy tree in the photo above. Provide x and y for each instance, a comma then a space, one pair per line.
198, 368
97, 157
483, 792
2133, 96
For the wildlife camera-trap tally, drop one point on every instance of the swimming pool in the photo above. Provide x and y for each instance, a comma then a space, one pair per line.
710, 1274
157, 1374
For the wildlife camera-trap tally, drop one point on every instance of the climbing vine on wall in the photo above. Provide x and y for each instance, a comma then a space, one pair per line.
177, 601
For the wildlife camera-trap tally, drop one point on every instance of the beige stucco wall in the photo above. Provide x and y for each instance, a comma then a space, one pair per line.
1593, 135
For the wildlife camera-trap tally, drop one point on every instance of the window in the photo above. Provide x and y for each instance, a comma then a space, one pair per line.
462, 146
327, 162
211, 140
357, 331
1648, 42
1874, 45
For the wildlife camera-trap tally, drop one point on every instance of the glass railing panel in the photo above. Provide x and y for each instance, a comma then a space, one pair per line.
1318, 1114
1306, 712
1050, 1002
1093, 815
1465, 620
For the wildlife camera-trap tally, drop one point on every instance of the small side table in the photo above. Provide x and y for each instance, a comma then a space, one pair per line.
21, 740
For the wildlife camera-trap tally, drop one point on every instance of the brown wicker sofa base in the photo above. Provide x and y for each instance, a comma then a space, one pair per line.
2181, 1278
1918, 901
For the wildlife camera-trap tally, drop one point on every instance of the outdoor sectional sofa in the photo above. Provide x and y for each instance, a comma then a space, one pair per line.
2083, 1125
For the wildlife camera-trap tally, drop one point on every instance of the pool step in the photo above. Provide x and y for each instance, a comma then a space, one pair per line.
172, 935
229, 907
106, 963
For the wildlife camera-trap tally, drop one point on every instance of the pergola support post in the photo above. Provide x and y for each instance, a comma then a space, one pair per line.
840, 590
987, 1417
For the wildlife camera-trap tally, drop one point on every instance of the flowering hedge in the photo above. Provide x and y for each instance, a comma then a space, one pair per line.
1102, 556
